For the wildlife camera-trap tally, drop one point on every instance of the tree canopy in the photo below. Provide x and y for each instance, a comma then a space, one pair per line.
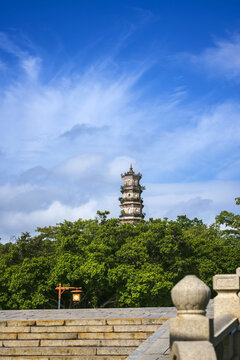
118, 265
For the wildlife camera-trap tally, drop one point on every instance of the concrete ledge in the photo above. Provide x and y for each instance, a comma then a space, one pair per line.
155, 347
108, 313
223, 325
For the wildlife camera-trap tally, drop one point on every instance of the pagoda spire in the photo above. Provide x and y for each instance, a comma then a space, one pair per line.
131, 201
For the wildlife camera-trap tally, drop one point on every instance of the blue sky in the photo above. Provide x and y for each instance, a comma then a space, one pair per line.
87, 87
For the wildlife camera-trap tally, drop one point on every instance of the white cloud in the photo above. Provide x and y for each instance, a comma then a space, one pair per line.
199, 199
29, 63
223, 58
31, 66
119, 165
78, 167
212, 139
16, 222
9, 192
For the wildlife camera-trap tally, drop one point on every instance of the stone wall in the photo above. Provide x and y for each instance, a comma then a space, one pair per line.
79, 335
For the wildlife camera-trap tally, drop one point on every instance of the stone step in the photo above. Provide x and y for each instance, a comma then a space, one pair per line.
154, 321
62, 357
57, 351
84, 339
98, 343
78, 328
74, 336
67, 343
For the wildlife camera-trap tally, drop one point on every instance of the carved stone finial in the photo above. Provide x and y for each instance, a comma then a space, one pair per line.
191, 296
238, 271
131, 169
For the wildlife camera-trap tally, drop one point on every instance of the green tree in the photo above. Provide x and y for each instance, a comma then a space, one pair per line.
118, 265
231, 222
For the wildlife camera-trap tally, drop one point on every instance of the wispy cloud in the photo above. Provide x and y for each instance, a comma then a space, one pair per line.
203, 199
55, 213
213, 138
80, 130
223, 58
29, 64
66, 141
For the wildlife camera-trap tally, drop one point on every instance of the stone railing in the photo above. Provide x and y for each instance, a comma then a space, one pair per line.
193, 333
195, 336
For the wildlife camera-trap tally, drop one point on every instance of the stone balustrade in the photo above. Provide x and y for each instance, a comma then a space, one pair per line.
192, 334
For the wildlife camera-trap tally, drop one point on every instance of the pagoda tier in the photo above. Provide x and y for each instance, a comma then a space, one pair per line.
131, 201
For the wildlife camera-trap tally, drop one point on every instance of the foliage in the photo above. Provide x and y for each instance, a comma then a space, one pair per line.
231, 222
118, 265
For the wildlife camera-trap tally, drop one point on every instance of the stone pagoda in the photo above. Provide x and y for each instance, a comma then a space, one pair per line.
131, 201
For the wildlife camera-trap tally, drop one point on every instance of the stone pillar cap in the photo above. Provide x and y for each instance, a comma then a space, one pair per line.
190, 295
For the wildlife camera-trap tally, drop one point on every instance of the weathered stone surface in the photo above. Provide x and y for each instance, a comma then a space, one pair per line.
98, 343
193, 350
21, 323
238, 271
153, 321
227, 300
8, 336
88, 357
20, 343
226, 282
189, 294
160, 346
223, 325
67, 314
86, 322
100, 328
60, 337
46, 336
154, 357
191, 327
80, 357
147, 350
133, 328
14, 329
124, 321
25, 358
114, 350
236, 338
49, 322
113, 335
47, 351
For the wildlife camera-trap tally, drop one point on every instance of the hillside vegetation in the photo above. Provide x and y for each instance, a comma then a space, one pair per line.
117, 265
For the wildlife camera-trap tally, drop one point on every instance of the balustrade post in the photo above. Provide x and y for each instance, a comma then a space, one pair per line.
227, 300
191, 296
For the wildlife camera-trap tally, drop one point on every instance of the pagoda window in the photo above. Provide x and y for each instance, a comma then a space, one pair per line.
136, 196
129, 195
129, 210
129, 182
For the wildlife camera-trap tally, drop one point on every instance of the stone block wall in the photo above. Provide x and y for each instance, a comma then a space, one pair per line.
90, 339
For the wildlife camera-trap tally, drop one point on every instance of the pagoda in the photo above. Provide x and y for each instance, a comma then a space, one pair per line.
131, 201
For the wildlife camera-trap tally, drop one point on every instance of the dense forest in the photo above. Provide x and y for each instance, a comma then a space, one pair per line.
118, 265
